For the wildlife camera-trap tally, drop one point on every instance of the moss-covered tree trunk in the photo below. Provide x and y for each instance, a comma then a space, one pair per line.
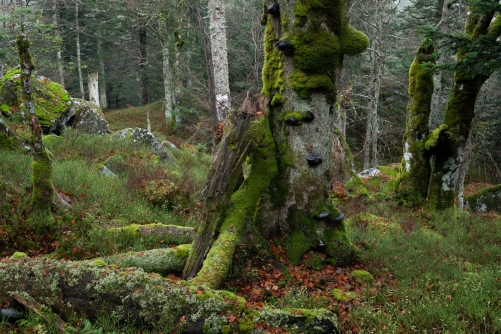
415, 171
450, 141
287, 151
43, 190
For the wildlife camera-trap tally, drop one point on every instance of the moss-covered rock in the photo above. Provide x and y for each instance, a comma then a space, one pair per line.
362, 276
488, 199
139, 135
8, 139
51, 99
343, 295
88, 117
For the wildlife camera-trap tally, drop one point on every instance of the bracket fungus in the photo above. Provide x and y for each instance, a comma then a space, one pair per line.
274, 10
314, 159
293, 121
322, 215
286, 47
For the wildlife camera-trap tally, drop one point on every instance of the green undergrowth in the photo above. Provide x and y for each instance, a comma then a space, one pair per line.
442, 275
98, 201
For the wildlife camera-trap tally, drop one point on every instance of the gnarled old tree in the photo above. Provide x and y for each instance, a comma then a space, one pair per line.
439, 154
285, 139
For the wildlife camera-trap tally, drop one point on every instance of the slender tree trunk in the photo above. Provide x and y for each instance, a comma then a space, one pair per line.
43, 189
143, 57
210, 67
178, 45
58, 40
79, 54
219, 57
370, 156
167, 75
103, 100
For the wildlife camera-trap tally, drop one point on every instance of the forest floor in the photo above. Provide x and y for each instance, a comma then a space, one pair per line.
433, 272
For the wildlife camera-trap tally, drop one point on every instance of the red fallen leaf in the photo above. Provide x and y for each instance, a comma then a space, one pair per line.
75, 250
138, 291
275, 288
139, 254
200, 291
299, 312
232, 318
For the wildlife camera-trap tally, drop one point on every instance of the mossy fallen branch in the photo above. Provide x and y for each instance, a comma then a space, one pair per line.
145, 300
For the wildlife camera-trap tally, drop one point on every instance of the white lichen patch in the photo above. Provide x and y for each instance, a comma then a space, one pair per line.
407, 157
449, 178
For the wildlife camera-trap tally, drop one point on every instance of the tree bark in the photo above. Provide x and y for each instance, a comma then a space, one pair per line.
90, 289
143, 56
103, 100
210, 68
43, 189
449, 147
288, 148
57, 34
217, 26
79, 53
93, 84
415, 172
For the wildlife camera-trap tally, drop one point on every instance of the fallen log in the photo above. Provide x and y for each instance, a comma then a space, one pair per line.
89, 289
160, 261
172, 234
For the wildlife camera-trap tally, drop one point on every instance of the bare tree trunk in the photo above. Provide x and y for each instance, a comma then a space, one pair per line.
178, 45
463, 172
219, 57
143, 56
103, 100
58, 40
93, 84
210, 67
79, 60
370, 155
167, 74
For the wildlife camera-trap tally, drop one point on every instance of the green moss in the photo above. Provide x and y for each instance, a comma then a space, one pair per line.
352, 41
316, 51
277, 100
246, 325
182, 251
244, 204
344, 296
8, 142
5, 109
362, 276
18, 255
43, 189
297, 245
99, 263
49, 97
338, 245
305, 84
434, 136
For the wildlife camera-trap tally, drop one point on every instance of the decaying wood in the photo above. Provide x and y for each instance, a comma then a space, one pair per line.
36, 307
88, 290
222, 181
171, 234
